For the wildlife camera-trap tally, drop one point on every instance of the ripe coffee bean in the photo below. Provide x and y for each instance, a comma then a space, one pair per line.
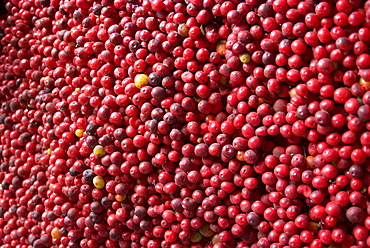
184, 124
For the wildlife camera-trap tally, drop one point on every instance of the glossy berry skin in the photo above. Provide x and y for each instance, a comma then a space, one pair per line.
185, 124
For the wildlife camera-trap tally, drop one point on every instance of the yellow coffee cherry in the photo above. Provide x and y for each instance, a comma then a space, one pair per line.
364, 190
120, 198
49, 151
292, 92
98, 182
197, 99
364, 83
199, 140
309, 162
215, 239
244, 58
141, 80
196, 237
313, 227
99, 151
336, 66
221, 47
79, 133
55, 234
223, 80
183, 30
206, 231
240, 156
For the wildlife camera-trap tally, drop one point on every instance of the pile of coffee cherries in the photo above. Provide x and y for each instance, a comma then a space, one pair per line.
185, 124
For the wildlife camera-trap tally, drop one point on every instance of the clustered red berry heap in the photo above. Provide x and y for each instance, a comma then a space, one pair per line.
170, 124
